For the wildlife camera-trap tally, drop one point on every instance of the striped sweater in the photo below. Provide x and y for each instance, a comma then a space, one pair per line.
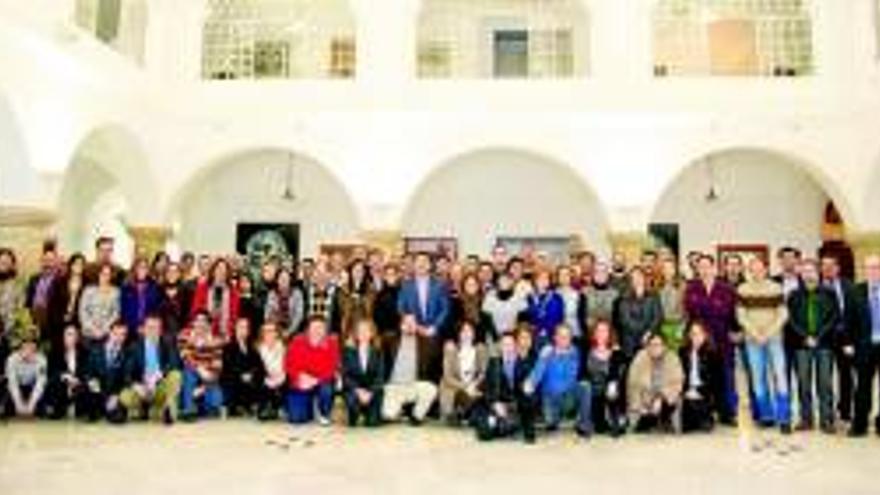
203, 352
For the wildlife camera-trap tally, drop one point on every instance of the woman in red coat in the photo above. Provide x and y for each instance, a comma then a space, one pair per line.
312, 364
219, 297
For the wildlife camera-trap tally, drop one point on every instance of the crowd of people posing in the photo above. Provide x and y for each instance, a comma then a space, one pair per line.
508, 345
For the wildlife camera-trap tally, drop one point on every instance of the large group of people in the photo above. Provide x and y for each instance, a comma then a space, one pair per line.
510, 345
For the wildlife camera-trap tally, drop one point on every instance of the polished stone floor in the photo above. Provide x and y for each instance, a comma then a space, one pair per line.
243, 457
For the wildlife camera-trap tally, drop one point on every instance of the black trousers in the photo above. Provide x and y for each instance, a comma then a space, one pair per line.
846, 384
59, 398
868, 364
269, 401
608, 415
521, 417
371, 412
240, 396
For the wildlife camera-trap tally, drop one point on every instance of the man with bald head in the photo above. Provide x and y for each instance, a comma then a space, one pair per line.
866, 340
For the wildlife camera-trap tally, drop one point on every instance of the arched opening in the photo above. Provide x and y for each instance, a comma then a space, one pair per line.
238, 195
751, 199
513, 196
106, 185
503, 39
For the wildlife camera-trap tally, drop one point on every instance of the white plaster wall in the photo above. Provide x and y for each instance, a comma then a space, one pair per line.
479, 197
762, 199
248, 188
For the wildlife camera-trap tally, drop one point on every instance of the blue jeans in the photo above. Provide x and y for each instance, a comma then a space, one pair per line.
767, 361
209, 404
577, 398
300, 404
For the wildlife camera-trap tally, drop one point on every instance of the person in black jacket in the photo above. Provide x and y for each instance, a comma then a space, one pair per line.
385, 313
505, 408
242, 370
639, 314
844, 356
605, 370
152, 374
68, 364
363, 375
703, 379
866, 344
105, 375
466, 306
813, 316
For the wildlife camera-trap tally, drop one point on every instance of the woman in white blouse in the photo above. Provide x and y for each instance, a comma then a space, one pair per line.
272, 351
99, 307
464, 369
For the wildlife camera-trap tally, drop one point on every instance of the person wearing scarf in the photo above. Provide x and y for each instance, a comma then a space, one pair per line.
504, 307
284, 305
219, 298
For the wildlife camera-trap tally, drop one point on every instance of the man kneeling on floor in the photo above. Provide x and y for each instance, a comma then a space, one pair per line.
654, 387
409, 361
152, 374
556, 377
505, 409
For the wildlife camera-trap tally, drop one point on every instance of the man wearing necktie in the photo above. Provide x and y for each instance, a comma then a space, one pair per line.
866, 340
844, 352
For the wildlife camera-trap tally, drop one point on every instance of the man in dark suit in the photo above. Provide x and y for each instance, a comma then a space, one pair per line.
363, 376
866, 343
843, 348
152, 374
105, 375
39, 288
104, 249
813, 318
506, 408
426, 297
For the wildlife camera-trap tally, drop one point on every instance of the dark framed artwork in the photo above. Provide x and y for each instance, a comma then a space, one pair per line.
258, 242
557, 249
438, 246
666, 235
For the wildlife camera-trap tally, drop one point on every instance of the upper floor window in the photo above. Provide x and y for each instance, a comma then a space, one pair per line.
502, 39
733, 38
278, 39
121, 24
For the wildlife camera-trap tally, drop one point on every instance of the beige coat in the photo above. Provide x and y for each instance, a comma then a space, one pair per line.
638, 386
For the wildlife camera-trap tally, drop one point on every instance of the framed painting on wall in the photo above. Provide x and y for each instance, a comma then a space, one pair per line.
746, 251
438, 246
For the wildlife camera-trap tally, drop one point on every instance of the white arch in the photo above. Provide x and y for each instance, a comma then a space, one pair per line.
539, 196
227, 186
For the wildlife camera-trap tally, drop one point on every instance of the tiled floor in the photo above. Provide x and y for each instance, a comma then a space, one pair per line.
243, 457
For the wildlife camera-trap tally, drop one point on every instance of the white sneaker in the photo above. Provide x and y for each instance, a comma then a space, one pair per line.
323, 421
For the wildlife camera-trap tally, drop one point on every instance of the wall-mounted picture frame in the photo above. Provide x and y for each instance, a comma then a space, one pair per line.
437, 246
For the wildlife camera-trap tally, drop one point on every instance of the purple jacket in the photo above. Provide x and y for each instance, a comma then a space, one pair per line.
716, 310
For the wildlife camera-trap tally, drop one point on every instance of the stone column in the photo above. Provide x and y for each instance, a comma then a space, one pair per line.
630, 243
24, 229
149, 239
863, 244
